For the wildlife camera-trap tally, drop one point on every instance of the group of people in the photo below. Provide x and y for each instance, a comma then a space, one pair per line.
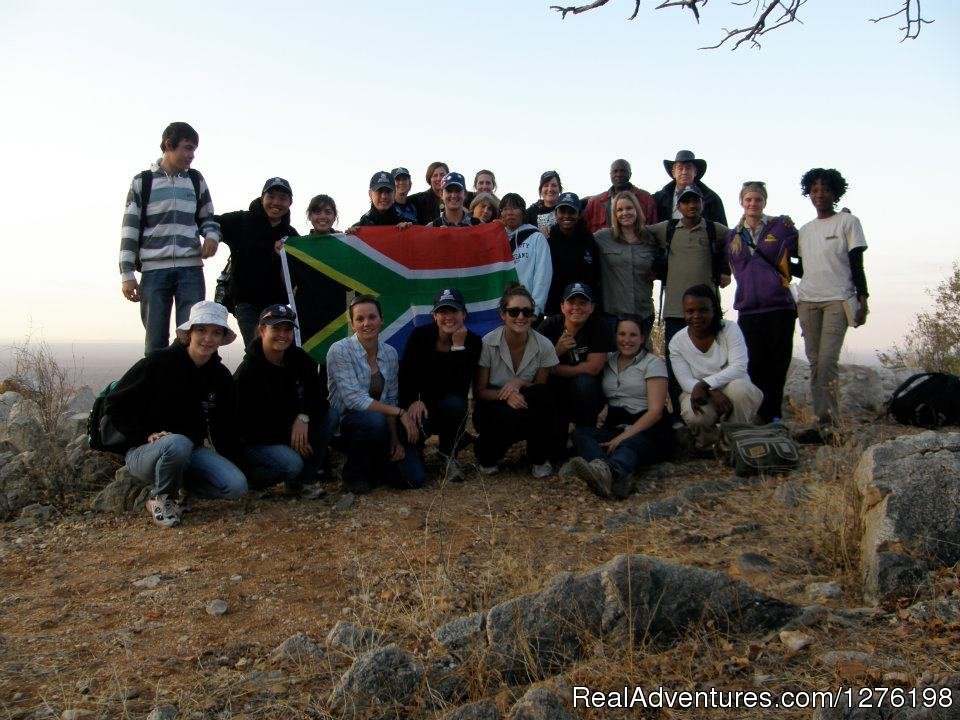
574, 339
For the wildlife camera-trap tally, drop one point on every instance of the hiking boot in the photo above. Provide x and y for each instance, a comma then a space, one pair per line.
602, 478
542, 470
164, 511
595, 474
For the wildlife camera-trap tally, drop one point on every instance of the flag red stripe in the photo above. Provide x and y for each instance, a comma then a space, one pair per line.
423, 248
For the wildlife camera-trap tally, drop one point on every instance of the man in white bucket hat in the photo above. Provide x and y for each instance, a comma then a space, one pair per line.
169, 404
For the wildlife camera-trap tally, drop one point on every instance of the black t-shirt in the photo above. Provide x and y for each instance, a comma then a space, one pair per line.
593, 337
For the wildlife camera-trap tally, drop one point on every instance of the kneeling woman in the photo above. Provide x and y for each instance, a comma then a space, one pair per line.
637, 428
362, 378
168, 404
710, 361
513, 401
439, 363
284, 423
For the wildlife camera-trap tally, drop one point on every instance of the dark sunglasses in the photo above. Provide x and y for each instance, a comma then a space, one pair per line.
518, 311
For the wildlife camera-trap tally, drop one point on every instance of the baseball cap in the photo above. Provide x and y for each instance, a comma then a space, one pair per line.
577, 288
276, 183
400, 172
454, 178
449, 297
382, 179
569, 199
690, 190
275, 314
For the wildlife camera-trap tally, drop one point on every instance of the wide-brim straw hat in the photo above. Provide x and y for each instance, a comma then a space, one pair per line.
206, 312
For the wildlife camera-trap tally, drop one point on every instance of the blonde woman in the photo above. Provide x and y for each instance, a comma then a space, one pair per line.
627, 253
758, 251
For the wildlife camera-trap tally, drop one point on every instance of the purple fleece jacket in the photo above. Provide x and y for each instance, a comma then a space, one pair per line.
761, 287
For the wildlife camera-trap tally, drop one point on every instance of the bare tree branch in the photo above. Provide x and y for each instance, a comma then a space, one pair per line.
577, 9
767, 20
752, 32
915, 19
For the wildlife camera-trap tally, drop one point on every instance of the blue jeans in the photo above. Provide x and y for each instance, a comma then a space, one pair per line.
448, 419
643, 448
248, 317
268, 465
158, 290
172, 463
365, 439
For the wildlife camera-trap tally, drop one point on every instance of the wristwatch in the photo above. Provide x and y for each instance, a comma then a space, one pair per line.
305, 419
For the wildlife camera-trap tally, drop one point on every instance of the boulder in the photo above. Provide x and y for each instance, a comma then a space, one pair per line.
661, 600
297, 648
537, 635
482, 710
18, 485
7, 401
95, 470
464, 637
909, 511
539, 703
631, 598
864, 389
25, 433
350, 638
380, 683
446, 683
82, 401
124, 494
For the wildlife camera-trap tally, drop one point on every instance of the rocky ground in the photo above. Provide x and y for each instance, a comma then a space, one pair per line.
280, 608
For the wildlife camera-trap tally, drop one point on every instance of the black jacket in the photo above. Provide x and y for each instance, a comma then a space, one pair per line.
257, 276
427, 205
390, 216
575, 259
271, 396
428, 375
712, 204
166, 391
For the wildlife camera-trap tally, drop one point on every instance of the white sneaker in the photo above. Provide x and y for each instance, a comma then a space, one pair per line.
543, 470
164, 511
489, 469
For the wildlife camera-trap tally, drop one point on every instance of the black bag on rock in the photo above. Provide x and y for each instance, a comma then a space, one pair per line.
927, 400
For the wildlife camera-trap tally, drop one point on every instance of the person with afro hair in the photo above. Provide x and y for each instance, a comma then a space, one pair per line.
832, 293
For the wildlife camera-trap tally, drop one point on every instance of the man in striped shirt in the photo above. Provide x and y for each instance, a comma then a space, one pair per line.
168, 209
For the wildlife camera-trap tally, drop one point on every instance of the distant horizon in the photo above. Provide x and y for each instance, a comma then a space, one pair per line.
303, 94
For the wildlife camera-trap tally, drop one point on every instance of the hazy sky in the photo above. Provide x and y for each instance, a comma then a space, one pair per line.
326, 93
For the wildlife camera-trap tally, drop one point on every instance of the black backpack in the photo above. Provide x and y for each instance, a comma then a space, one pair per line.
222, 293
927, 400
146, 186
101, 434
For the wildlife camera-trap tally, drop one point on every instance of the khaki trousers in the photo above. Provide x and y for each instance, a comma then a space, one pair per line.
823, 325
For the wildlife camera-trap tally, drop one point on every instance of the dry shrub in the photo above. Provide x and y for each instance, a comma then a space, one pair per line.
45, 384
933, 343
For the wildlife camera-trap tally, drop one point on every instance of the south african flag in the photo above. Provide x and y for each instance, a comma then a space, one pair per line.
403, 269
